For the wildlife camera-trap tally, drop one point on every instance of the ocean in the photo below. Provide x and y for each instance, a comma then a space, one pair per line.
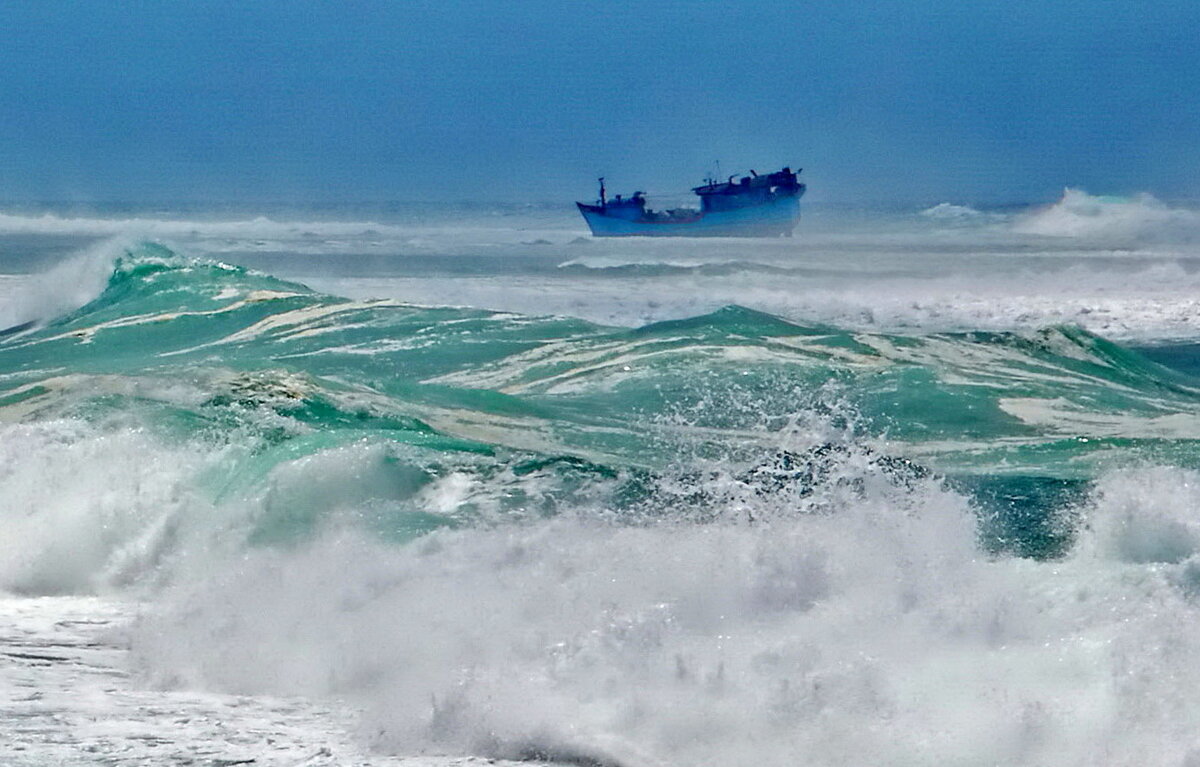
449, 484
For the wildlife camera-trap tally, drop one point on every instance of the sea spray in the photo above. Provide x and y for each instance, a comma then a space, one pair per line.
90, 510
1118, 221
868, 632
64, 287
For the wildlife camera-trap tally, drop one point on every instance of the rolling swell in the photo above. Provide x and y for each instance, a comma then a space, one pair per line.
287, 410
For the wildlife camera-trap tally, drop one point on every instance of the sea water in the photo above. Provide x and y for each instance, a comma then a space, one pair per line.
367, 485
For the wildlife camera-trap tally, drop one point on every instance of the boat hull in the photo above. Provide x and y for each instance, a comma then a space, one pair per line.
776, 218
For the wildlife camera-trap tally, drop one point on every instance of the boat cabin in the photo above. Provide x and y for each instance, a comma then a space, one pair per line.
747, 191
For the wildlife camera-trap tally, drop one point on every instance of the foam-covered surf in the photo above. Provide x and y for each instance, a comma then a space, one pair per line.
515, 532
874, 632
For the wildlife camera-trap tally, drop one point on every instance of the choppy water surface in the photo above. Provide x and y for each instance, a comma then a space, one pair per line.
911, 487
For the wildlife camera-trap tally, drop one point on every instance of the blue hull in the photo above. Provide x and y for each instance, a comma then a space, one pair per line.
776, 218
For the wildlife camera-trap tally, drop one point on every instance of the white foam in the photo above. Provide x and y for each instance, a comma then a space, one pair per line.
1069, 419
1121, 221
1134, 297
1146, 516
874, 633
949, 212
87, 511
67, 697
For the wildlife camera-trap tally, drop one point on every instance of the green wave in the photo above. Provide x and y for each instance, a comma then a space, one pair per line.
199, 350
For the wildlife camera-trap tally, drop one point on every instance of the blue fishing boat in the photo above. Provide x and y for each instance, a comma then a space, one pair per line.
750, 206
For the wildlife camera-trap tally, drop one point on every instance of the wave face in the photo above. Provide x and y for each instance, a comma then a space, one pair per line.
708, 539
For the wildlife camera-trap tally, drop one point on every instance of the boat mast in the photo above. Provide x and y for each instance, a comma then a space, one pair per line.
603, 196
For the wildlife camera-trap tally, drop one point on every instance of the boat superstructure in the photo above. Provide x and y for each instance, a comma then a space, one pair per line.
751, 206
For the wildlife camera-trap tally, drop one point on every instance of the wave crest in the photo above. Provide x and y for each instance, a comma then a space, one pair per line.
1119, 220
945, 211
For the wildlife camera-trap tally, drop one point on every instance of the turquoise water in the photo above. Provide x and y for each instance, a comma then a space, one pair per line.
199, 351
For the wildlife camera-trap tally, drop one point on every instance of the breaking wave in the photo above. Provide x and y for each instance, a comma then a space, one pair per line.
722, 538
1122, 221
949, 212
875, 634
66, 286
266, 398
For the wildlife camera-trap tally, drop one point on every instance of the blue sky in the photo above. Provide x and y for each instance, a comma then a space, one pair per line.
914, 101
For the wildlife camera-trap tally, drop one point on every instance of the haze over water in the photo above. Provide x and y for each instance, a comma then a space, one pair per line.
310, 468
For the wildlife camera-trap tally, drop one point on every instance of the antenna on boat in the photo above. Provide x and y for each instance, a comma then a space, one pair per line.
711, 178
603, 195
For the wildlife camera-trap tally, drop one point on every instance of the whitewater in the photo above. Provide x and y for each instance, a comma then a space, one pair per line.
451, 485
